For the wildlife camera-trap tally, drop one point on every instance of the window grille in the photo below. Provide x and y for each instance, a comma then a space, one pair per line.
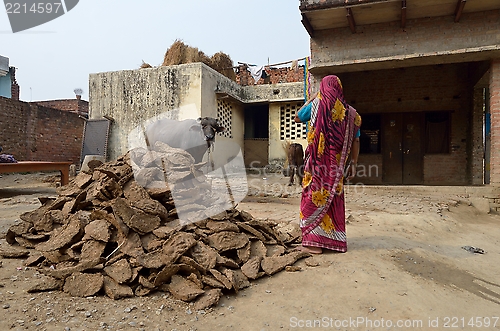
224, 116
289, 130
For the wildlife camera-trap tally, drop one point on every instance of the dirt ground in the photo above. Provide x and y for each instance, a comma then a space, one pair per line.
405, 269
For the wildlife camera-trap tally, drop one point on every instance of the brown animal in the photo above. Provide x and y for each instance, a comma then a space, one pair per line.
295, 162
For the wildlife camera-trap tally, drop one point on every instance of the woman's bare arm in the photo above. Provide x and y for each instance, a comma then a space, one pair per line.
297, 119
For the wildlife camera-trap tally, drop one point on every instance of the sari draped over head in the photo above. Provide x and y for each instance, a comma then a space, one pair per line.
331, 132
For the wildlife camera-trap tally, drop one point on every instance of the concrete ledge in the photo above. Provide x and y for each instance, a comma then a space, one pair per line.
491, 192
482, 197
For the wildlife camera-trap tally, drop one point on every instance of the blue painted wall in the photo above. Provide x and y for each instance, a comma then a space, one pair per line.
5, 86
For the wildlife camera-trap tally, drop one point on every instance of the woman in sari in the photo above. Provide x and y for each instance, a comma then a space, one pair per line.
333, 126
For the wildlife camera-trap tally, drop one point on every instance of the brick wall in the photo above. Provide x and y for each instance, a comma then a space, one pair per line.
495, 122
34, 133
14, 88
77, 105
369, 170
275, 75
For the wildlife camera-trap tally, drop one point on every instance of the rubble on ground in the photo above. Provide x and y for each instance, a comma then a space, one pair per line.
116, 231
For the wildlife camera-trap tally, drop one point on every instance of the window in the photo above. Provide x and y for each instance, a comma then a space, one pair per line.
369, 139
224, 116
289, 130
437, 132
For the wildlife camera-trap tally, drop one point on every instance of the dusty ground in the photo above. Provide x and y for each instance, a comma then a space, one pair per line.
405, 269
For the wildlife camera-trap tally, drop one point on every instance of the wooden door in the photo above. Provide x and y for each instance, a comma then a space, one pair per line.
392, 156
412, 142
402, 137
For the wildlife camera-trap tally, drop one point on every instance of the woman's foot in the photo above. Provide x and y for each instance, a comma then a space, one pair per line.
310, 249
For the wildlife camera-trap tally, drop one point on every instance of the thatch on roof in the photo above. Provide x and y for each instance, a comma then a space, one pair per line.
222, 63
180, 53
175, 54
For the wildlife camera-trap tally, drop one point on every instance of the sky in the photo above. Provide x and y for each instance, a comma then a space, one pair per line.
55, 58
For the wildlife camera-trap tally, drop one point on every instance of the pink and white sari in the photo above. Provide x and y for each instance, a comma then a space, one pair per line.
331, 132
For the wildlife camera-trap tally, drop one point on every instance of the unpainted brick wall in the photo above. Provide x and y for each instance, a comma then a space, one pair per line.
74, 105
275, 75
14, 88
369, 169
34, 133
495, 122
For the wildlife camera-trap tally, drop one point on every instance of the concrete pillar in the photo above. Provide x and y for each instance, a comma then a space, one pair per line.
495, 122
477, 145
487, 135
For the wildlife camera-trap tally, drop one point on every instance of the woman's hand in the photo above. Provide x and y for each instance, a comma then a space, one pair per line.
351, 171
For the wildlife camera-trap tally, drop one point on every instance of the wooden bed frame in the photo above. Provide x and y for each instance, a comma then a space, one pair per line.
34, 166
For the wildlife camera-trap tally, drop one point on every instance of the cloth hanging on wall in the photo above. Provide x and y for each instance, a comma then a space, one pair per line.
256, 72
264, 74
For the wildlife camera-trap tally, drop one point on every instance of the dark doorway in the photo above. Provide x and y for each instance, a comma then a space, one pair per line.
370, 134
402, 148
256, 149
257, 122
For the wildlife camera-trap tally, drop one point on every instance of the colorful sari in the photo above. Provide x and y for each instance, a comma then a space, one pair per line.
331, 132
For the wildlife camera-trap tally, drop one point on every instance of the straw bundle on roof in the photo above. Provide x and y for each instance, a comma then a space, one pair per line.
180, 53
222, 63
175, 54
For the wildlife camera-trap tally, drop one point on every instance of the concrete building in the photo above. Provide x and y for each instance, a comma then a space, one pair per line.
8, 84
257, 117
424, 75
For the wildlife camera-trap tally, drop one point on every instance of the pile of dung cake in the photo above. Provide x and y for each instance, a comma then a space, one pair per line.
115, 230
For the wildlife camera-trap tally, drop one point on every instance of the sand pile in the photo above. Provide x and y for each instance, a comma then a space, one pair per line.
116, 231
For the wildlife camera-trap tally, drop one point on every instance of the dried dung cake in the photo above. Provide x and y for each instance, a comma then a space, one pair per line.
115, 231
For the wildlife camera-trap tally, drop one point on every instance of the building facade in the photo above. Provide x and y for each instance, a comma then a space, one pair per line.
8, 84
424, 75
257, 117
